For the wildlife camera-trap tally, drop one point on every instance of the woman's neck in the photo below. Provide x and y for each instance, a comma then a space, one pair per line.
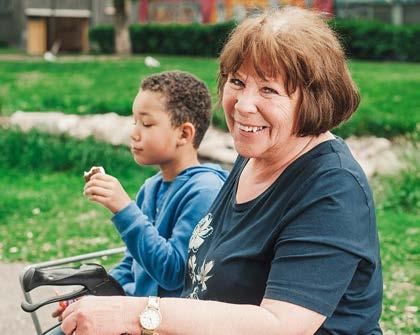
272, 166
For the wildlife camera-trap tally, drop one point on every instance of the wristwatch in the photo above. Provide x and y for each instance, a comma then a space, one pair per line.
150, 318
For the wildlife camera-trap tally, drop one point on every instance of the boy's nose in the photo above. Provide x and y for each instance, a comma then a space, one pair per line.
135, 135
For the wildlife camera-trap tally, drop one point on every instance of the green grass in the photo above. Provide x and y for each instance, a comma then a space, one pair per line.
398, 217
85, 87
390, 100
43, 214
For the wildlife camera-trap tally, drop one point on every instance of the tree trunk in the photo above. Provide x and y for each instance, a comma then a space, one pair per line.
121, 23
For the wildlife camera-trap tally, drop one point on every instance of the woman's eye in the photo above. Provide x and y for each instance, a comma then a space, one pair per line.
269, 90
146, 125
236, 82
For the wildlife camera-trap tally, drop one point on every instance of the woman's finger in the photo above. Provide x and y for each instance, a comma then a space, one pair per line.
69, 325
70, 309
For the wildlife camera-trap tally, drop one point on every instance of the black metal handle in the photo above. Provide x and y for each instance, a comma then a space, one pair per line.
92, 277
87, 275
28, 307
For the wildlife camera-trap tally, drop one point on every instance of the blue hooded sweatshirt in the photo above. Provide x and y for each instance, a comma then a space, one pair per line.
157, 238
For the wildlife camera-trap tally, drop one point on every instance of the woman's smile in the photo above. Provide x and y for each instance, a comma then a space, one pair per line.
249, 131
249, 128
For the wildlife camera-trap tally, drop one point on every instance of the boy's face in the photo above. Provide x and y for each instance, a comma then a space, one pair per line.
153, 138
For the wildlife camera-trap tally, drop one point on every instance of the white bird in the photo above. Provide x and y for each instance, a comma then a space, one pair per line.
50, 57
151, 62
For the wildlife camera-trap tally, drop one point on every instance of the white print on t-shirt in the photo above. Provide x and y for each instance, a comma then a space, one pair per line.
199, 277
203, 276
201, 231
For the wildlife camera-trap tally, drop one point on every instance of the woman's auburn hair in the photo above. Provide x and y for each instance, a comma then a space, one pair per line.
297, 45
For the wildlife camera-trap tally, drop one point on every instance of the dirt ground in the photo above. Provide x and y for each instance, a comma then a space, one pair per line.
13, 320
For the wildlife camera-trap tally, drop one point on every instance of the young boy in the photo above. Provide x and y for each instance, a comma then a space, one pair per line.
171, 113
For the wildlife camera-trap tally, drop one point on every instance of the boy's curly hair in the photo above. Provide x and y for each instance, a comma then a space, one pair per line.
187, 99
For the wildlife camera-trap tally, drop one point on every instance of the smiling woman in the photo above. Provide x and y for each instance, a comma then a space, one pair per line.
259, 113
290, 242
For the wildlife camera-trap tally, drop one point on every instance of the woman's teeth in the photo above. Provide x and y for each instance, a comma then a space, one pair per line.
250, 129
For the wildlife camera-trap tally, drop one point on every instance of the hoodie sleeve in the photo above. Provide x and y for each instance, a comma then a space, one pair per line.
164, 260
122, 273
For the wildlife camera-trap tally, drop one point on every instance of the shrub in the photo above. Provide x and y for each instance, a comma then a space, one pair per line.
184, 39
407, 42
377, 40
36, 151
403, 191
102, 38
361, 39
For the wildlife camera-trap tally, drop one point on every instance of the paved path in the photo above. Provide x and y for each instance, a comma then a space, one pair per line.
12, 319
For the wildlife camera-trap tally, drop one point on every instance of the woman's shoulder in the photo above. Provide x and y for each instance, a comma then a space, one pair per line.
329, 168
339, 163
330, 156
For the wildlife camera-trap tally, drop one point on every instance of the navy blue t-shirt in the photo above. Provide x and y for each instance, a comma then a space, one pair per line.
309, 239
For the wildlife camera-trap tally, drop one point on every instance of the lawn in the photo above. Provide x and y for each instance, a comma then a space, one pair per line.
390, 100
43, 214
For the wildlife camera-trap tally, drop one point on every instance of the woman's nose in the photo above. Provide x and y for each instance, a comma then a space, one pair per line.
246, 103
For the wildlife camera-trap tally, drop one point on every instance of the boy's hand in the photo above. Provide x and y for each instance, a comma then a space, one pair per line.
107, 191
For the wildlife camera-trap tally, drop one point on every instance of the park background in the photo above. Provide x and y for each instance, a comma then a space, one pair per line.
88, 57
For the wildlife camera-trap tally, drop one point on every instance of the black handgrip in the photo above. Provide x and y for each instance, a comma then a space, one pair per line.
88, 275
93, 277
27, 307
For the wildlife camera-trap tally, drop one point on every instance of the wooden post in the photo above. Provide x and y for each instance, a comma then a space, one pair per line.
37, 35
85, 35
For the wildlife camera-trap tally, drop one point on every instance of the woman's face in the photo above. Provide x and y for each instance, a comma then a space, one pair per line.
259, 114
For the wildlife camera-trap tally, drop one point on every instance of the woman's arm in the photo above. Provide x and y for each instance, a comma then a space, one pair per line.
118, 315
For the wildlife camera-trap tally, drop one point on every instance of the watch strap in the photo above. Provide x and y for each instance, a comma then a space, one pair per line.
152, 303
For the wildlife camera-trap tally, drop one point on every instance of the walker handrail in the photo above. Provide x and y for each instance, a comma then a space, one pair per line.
62, 261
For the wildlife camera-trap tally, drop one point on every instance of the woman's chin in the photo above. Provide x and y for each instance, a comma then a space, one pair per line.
248, 151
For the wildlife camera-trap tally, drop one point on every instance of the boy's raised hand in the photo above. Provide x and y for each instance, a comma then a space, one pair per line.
107, 191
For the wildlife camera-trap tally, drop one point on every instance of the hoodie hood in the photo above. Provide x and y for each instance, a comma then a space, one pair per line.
204, 168
204, 175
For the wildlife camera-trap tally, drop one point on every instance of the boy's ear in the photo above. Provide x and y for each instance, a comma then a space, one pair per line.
186, 134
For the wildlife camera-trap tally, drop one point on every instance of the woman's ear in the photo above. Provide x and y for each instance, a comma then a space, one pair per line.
186, 134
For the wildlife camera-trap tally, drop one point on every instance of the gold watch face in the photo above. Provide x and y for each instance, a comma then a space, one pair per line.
150, 319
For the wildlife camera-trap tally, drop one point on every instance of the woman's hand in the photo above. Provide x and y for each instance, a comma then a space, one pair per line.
58, 312
107, 191
103, 315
